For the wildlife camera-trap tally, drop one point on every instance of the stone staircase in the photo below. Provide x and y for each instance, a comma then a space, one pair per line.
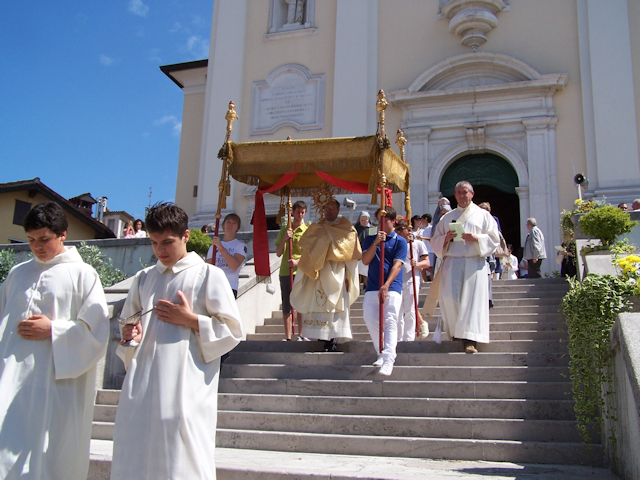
509, 403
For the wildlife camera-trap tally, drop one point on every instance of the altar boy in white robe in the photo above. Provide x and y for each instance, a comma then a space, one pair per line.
54, 327
463, 282
166, 419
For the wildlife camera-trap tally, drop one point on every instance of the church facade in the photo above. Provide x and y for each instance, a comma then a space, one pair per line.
515, 96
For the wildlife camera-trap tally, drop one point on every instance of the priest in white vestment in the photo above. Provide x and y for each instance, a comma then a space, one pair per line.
327, 281
54, 327
167, 413
464, 290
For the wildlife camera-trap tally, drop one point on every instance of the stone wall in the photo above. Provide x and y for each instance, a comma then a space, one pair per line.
624, 456
128, 254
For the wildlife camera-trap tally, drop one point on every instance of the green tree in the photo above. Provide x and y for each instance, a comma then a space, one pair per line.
198, 242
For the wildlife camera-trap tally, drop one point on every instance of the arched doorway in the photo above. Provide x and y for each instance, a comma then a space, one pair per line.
494, 180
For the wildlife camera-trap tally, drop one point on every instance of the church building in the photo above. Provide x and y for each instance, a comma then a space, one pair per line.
515, 96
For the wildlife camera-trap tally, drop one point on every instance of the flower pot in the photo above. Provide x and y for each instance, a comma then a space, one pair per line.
599, 262
577, 233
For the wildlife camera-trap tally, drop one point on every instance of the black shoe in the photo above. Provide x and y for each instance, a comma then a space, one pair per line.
331, 345
490, 303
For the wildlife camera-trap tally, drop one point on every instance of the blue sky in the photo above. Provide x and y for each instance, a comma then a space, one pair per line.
83, 103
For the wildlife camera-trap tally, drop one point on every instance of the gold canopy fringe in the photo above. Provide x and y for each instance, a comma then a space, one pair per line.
407, 198
353, 159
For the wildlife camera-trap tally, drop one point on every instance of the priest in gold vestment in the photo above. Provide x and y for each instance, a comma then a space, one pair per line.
327, 281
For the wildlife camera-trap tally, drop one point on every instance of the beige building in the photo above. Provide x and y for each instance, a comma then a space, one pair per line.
516, 96
17, 198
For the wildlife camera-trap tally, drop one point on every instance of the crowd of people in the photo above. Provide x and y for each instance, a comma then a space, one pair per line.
180, 320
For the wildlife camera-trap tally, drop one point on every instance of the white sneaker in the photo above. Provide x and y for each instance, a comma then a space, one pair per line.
378, 362
386, 369
302, 339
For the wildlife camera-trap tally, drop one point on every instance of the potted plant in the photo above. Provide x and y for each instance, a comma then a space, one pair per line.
606, 223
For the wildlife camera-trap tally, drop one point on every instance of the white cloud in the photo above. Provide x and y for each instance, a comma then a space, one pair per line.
138, 8
177, 26
176, 125
106, 60
167, 119
198, 46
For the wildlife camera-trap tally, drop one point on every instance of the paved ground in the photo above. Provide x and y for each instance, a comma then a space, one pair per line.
254, 464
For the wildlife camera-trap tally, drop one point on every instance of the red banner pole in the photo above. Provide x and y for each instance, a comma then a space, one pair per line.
290, 245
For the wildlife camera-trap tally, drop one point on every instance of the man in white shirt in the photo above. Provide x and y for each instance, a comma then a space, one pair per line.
462, 278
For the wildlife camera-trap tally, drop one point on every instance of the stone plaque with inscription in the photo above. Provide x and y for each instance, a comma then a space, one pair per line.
289, 96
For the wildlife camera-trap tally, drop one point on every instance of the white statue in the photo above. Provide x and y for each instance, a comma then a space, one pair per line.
295, 11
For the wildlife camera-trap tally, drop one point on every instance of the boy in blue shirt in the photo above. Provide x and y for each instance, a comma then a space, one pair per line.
390, 293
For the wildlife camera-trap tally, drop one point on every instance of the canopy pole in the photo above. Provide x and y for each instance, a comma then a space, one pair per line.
383, 143
290, 245
224, 187
401, 141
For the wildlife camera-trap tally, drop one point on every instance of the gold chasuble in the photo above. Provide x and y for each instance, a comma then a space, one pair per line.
327, 281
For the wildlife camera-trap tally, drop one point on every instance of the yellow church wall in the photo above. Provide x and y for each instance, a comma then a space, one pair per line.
190, 145
413, 39
315, 52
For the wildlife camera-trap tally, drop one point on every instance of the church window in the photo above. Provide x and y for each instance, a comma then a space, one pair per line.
291, 16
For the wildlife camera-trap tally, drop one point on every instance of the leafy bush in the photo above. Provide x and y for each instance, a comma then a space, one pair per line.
109, 275
606, 223
7, 261
198, 242
591, 308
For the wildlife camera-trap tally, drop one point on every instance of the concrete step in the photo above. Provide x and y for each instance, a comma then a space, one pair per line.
515, 301
246, 464
524, 409
403, 359
414, 447
391, 388
401, 426
517, 322
502, 346
361, 333
400, 373
422, 346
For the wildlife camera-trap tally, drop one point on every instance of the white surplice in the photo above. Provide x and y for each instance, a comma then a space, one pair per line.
166, 419
47, 387
464, 288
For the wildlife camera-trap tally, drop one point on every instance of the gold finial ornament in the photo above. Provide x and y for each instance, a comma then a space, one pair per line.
230, 117
381, 106
401, 142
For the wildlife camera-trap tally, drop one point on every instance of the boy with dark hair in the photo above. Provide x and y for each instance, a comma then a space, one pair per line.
390, 293
54, 327
298, 227
166, 420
